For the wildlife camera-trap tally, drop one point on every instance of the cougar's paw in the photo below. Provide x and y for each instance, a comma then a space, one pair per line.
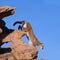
20, 28
42, 46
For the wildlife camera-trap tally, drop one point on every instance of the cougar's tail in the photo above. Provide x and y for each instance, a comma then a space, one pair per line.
18, 22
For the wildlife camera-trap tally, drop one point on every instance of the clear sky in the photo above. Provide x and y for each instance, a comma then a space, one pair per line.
44, 16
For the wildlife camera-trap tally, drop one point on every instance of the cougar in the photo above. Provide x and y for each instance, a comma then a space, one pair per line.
26, 27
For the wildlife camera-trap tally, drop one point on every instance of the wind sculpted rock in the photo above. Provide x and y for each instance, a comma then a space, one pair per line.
6, 11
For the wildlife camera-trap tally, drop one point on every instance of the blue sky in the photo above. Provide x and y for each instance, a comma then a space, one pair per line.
44, 16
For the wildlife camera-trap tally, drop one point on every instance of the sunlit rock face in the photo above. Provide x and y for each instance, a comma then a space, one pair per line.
6, 11
19, 50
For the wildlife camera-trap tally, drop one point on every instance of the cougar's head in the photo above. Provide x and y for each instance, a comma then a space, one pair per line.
25, 26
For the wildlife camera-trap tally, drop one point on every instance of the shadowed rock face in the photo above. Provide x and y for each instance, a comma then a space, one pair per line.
6, 11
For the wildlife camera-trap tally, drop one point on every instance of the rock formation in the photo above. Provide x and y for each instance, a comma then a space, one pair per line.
6, 11
18, 50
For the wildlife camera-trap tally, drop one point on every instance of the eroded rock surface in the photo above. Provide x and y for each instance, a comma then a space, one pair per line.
18, 50
6, 11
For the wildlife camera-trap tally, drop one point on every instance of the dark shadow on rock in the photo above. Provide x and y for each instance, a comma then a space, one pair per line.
5, 31
5, 50
4, 28
6, 11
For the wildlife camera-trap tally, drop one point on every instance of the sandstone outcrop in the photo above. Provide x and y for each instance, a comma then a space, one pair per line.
18, 50
6, 11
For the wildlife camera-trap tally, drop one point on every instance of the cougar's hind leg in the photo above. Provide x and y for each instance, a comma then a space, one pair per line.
41, 45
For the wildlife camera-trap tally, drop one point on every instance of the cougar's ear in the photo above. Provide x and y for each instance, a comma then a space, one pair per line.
22, 22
